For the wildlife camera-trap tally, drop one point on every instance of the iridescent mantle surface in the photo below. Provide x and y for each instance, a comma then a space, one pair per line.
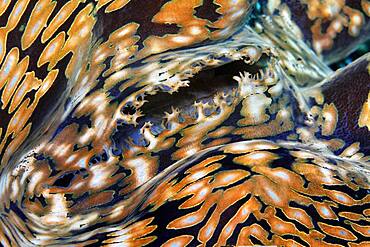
184, 123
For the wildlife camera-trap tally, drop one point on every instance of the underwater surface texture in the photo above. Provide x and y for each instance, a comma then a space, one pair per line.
184, 123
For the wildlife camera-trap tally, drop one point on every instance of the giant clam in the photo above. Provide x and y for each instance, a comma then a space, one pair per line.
184, 123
